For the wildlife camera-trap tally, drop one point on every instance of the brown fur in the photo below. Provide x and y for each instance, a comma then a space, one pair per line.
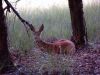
62, 46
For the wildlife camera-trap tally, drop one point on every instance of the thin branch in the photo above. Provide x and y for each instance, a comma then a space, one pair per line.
17, 1
17, 14
5, 8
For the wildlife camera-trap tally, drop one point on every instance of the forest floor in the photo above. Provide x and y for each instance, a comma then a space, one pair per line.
84, 62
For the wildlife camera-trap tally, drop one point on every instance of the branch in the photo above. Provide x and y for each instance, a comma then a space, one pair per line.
7, 8
17, 1
17, 14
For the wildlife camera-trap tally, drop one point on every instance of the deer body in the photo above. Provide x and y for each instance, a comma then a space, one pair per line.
62, 46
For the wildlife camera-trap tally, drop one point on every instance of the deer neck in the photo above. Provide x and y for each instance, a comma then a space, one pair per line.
42, 44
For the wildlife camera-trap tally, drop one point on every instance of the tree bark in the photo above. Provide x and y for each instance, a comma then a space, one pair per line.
78, 23
5, 61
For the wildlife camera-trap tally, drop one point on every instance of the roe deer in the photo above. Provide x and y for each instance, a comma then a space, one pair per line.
60, 46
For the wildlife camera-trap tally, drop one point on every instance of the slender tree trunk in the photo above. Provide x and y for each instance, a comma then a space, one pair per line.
5, 60
78, 23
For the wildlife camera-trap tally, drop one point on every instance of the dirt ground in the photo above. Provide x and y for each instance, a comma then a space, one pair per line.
85, 61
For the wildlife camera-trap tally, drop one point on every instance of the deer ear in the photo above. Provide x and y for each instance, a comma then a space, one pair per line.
41, 28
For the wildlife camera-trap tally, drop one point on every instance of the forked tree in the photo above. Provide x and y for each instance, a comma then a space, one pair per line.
5, 60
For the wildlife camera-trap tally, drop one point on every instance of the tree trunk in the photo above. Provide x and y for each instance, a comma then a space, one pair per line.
78, 23
5, 61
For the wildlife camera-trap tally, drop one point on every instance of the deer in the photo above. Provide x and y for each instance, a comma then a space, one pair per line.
61, 46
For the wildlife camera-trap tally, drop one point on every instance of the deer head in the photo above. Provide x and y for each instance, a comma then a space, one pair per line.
38, 32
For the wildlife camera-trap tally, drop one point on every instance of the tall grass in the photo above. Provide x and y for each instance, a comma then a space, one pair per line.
56, 23
92, 17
